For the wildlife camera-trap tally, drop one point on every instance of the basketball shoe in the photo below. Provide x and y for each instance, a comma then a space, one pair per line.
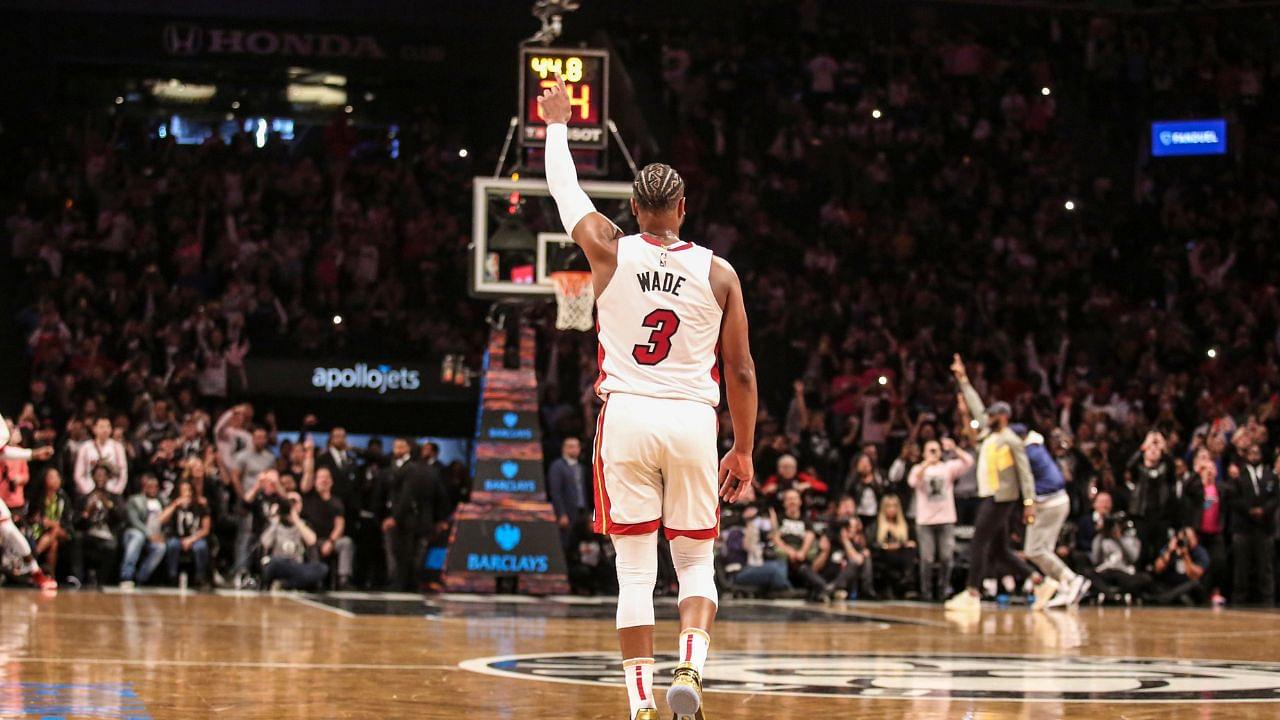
684, 697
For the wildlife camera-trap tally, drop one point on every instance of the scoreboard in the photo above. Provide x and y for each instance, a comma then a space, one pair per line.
586, 77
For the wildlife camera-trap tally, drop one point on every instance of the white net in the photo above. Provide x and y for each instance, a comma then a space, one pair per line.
574, 300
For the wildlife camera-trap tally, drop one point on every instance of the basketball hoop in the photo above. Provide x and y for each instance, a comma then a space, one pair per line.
574, 299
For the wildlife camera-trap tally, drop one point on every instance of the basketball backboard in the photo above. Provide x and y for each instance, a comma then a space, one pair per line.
517, 238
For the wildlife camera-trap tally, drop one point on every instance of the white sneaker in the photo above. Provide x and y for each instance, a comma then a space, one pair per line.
963, 601
127, 585
1044, 593
1072, 593
1085, 583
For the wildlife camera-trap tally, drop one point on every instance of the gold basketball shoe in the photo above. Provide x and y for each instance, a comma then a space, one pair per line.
684, 697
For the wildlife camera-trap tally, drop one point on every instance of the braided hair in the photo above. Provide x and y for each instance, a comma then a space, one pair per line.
658, 187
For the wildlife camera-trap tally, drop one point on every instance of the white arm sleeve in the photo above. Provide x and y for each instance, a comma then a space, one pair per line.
562, 179
15, 453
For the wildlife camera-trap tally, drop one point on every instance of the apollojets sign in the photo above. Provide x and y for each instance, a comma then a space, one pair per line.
1020, 678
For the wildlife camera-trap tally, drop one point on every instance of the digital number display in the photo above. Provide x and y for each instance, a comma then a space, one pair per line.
586, 78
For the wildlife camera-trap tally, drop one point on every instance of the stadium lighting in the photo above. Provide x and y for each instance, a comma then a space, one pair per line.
1069, 205
230, 116
876, 113
235, 104
974, 424
337, 319
1046, 91
882, 380
119, 100
462, 153
348, 109
1213, 353
368, 97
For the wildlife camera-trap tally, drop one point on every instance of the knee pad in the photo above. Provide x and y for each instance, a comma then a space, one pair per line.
695, 568
637, 563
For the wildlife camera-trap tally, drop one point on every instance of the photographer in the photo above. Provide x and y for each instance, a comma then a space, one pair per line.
1115, 553
844, 556
1179, 569
286, 542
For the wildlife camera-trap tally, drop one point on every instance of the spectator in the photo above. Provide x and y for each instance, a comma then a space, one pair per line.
142, 531
50, 521
384, 502
286, 542
789, 477
761, 568
247, 467
97, 528
566, 486
1114, 560
794, 541
934, 483
1210, 520
187, 525
324, 514
1150, 471
1180, 570
844, 557
1254, 499
866, 487
895, 551
417, 514
105, 452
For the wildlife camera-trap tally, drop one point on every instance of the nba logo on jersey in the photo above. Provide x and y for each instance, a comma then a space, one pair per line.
662, 259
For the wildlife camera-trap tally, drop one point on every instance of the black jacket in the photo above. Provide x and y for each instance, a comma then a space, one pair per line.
1244, 497
421, 500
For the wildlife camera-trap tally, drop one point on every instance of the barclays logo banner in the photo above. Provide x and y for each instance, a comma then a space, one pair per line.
507, 548
509, 426
380, 379
509, 476
1188, 137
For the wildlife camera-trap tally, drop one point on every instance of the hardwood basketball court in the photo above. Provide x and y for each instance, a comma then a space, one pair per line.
170, 655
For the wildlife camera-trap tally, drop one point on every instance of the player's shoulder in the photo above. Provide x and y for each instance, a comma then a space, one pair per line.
722, 268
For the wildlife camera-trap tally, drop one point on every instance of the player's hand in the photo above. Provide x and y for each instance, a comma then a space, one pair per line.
736, 472
554, 103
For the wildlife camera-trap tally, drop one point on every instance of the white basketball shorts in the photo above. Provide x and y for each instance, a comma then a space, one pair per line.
655, 466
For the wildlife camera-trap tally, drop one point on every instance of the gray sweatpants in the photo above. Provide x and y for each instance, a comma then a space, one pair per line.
1042, 538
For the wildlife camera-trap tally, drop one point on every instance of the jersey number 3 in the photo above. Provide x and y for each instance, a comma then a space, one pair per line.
665, 323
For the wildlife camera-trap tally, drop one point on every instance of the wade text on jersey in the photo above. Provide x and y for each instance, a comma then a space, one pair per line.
654, 281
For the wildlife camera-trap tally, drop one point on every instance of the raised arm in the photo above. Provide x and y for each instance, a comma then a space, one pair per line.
593, 232
977, 410
740, 381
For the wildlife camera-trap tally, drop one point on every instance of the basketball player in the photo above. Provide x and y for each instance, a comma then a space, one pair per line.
11, 538
665, 307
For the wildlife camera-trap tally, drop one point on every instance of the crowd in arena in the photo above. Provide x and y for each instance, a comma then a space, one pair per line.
890, 195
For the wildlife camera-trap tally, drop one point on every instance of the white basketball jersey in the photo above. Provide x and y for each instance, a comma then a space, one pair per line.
660, 323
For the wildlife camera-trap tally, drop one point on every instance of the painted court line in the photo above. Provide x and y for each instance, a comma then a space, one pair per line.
268, 665
321, 606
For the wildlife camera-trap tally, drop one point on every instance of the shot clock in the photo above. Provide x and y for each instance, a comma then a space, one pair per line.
586, 77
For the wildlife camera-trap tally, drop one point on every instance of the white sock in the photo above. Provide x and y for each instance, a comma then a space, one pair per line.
638, 673
694, 644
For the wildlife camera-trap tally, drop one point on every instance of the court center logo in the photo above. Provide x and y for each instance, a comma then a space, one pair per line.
912, 676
